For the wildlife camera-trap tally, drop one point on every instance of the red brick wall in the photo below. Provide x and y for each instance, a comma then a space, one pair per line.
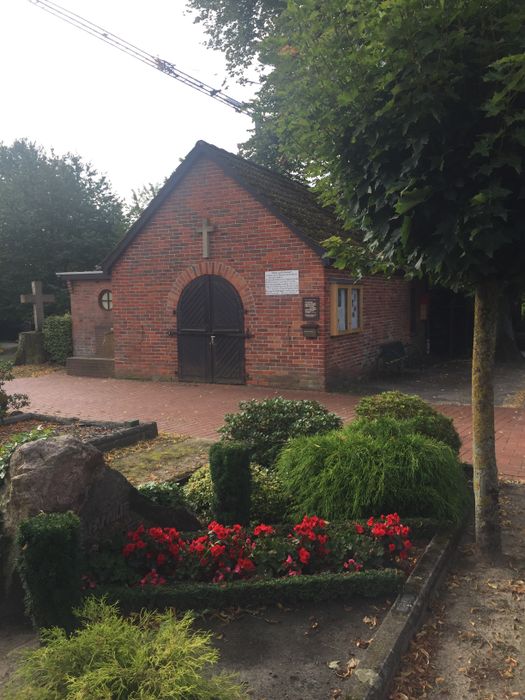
385, 318
87, 316
148, 279
167, 254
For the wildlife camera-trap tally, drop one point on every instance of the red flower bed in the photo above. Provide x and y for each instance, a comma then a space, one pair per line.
160, 555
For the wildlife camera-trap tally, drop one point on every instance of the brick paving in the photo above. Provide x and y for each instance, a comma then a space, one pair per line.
198, 409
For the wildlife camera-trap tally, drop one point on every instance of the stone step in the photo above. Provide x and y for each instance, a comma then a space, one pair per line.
90, 366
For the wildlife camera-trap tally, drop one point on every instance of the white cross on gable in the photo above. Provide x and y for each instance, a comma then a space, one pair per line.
205, 229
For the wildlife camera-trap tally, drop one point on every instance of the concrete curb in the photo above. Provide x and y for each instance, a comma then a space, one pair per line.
372, 677
124, 434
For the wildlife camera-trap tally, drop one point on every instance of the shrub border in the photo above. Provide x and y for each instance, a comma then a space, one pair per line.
289, 590
372, 678
125, 433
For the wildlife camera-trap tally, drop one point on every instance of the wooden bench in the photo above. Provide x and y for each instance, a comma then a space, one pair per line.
392, 356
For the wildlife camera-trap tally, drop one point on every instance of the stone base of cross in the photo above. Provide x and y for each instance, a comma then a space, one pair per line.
38, 299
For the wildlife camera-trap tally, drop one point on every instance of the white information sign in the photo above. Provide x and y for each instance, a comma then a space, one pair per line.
279, 282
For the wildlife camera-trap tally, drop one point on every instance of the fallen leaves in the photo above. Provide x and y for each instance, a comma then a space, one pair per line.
346, 670
370, 620
362, 643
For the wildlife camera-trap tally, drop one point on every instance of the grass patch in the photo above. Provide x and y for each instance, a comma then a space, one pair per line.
167, 458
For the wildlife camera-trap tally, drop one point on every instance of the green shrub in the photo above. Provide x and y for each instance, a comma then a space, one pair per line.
164, 493
58, 338
232, 482
422, 417
269, 501
49, 565
265, 426
145, 657
373, 467
9, 402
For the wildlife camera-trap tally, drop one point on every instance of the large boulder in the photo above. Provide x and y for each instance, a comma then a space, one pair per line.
61, 474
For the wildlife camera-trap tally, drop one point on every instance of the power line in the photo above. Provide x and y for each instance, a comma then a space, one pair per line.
154, 61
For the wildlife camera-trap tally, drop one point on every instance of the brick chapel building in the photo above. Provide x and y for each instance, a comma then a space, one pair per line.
223, 279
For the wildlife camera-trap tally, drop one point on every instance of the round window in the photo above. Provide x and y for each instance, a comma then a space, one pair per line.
105, 299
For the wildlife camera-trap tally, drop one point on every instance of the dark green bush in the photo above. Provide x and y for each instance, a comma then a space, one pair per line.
164, 493
269, 501
232, 482
373, 467
147, 656
9, 402
422, 417
50, 567
265, 426
58, 338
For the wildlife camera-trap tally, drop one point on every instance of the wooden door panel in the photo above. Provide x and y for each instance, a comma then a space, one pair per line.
211, 332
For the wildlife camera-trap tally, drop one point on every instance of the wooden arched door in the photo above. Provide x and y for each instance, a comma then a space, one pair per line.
210, 331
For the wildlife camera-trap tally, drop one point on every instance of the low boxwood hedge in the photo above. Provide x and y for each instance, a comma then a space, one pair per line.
291, 590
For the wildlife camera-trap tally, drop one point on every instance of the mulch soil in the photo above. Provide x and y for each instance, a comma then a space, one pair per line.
305, 652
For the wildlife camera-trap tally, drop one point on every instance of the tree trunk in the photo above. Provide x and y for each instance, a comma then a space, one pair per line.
486, 488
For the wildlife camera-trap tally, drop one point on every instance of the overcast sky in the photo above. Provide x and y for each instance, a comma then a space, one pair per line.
64, 89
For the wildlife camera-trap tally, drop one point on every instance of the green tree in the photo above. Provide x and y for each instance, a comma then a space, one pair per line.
237, 27
140, 198
410, 116
56, 214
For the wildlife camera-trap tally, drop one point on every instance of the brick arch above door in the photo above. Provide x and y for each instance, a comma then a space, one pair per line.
209, 267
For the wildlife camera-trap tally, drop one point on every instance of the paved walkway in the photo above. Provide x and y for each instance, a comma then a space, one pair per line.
198, 409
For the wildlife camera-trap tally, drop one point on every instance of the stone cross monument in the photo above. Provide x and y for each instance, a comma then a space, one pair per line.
38, 299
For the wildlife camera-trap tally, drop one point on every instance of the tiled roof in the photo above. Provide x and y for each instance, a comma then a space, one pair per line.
294, 203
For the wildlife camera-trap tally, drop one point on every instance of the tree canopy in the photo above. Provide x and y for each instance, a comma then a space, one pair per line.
237, 27
409, 117
410, 114
56, 214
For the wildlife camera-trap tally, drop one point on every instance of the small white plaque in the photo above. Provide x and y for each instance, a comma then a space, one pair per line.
279, 282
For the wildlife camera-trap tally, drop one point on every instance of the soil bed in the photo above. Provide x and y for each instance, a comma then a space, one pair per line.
78, 430
304, 653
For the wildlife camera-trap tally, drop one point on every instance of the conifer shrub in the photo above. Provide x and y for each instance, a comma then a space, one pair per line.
232, 482
421, 416
58, 338
373, 467
265, 426
143, 657
49, 564
269, 501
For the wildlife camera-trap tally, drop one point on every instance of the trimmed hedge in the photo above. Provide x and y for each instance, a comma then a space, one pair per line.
50, 568
58, 338
287, 590
420, 416
232, 482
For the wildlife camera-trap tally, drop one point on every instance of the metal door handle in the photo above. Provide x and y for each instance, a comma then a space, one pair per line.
212, 340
